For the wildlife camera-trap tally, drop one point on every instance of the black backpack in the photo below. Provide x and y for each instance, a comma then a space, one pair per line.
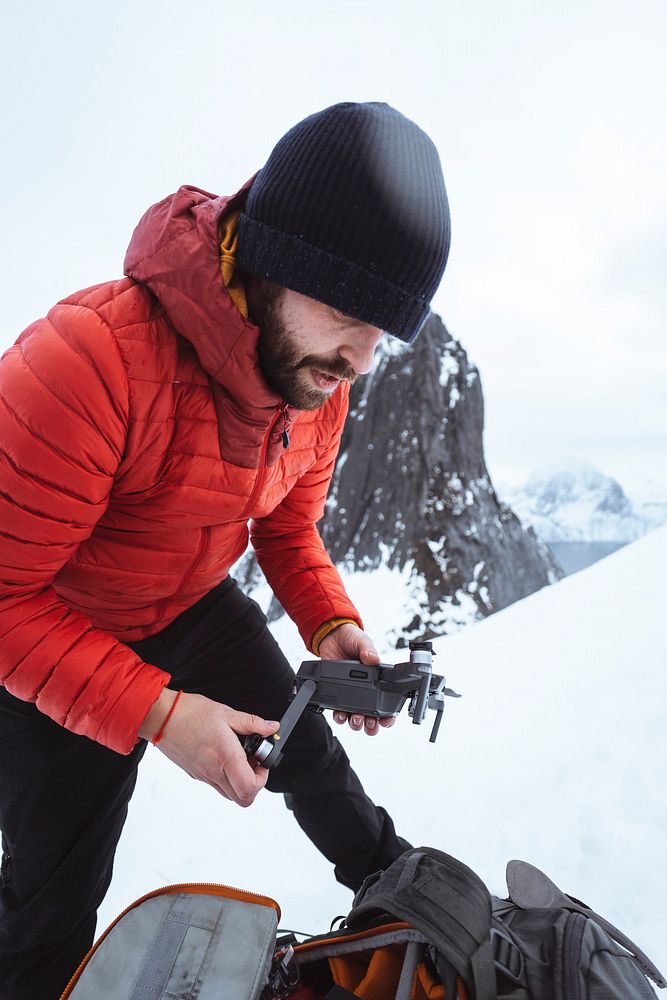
451, 938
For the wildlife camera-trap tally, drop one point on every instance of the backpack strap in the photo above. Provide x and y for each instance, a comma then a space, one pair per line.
444, 900
413, 953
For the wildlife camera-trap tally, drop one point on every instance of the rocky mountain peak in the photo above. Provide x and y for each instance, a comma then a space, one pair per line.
411, 489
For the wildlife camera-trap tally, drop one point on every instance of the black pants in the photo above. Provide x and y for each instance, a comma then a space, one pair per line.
64, 798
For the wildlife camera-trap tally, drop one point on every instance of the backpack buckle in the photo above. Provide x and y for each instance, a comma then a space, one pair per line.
284, 975
507, 957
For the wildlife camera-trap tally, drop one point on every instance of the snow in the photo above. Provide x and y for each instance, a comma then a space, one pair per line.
391, 347
449, 369
556, 754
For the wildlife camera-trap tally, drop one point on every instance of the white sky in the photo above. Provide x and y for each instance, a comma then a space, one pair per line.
550, 122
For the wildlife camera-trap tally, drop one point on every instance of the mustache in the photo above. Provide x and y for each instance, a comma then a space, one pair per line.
336, 369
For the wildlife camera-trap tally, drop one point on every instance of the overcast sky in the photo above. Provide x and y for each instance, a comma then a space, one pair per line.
550, 122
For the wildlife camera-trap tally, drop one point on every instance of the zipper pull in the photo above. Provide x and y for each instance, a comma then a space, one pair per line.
287, 425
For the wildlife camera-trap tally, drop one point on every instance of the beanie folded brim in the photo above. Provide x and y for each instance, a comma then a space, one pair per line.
342, 284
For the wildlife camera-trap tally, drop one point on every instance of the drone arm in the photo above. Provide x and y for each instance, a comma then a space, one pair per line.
269, 751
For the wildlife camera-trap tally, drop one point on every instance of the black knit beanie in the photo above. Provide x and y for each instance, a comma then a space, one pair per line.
351, 209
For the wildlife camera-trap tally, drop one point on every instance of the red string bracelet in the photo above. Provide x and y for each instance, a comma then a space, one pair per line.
162, 728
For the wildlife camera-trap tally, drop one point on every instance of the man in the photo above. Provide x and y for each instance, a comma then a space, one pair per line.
144, 423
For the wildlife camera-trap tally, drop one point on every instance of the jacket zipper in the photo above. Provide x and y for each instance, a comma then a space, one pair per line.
202, 888
201, 548
282, 411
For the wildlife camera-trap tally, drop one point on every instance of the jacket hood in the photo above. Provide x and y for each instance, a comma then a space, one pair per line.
174, 251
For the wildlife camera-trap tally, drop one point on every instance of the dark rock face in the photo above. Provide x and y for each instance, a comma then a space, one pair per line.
411, 492
411, 489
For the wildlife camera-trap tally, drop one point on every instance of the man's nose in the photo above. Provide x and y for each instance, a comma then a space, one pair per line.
360, 349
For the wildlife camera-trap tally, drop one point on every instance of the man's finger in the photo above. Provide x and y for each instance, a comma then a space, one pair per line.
389, 722
340, 717
244, 723
369, 654
243, 781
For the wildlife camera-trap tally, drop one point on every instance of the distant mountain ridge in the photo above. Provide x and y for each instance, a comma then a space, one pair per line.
578, 503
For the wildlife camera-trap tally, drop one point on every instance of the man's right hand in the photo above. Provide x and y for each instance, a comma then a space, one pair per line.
201, 738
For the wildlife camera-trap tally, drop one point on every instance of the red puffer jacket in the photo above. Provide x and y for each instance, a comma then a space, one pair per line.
137, 439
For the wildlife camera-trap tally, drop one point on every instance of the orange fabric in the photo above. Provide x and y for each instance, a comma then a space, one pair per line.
375, 975
326, 629
137, 440
426, 987
369, 975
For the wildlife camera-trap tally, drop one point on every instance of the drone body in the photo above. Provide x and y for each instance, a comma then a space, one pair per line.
353, 687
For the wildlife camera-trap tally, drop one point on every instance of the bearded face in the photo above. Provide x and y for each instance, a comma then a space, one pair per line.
302, 345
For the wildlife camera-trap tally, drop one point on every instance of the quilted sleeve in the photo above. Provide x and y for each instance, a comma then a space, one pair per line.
63, 420
291, 552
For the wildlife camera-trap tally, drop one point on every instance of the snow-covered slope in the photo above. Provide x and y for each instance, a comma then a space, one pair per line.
577, 503
557, 754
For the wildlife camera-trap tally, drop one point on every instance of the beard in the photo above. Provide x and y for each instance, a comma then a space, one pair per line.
281, 362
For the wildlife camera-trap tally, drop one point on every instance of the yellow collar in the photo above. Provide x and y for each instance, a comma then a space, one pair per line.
230, 276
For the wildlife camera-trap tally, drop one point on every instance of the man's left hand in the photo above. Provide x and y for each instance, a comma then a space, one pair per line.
349, 642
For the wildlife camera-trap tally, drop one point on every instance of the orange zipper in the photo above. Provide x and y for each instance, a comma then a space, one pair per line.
261, 470
201, 888
326, 940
